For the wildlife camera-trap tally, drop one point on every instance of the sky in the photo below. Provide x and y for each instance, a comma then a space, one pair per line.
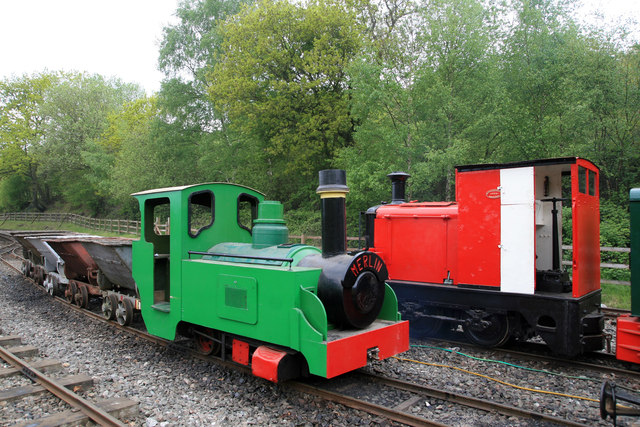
114, 38
121, 38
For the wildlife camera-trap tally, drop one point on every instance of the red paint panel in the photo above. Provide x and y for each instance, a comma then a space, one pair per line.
418, 240
478, 199
350, 353
585, 203
265, 361
240, 352
628, 339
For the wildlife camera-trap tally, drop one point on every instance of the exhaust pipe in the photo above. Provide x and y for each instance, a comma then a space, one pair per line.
398, 186
333, 190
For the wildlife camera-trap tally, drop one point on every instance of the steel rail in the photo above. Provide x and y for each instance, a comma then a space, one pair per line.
531, 355
371, 408
96, 414
568, 363
465, 400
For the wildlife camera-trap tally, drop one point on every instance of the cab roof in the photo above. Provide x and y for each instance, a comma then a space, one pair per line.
185, 187
525, 163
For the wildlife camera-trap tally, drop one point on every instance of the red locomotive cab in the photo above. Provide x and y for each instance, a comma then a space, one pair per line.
510, 225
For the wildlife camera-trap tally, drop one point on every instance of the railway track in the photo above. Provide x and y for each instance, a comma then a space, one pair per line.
414, 395
602, 362
103, 413
413, 408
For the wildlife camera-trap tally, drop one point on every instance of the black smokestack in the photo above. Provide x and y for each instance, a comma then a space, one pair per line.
333, 189
398, 185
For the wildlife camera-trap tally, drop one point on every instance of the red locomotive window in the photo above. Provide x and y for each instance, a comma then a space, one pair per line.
582, 180
592, 183
201, 211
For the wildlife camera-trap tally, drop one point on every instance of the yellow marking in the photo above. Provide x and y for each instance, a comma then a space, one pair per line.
332, 194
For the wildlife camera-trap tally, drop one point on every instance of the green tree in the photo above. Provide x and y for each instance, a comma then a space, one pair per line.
21, 133
281, 81
425, 97
128, 145
614, 141
76, 111
189, 129
545, 104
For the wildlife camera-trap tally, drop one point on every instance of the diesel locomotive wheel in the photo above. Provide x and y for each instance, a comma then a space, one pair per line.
70, 292
124, 312
109, 306
489, 330
81, 297
426, 326
207, 342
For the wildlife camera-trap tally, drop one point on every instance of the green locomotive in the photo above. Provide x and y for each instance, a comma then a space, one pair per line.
226, 275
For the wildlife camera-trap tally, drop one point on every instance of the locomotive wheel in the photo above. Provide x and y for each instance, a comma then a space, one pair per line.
70, 292
109, 306
81, 297
205, 345
124, 312
491, 331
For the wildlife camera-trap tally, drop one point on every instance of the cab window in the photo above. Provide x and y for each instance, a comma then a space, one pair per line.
201, 212
247, 211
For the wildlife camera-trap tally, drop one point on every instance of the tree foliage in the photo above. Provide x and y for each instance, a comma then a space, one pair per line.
266, 93
22, 132
281, 80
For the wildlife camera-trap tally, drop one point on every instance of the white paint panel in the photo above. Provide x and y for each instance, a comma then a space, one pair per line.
517, 186
517, 231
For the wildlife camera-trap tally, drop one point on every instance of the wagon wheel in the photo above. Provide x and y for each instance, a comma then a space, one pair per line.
29, 265
109, 306
70, 292
207, 341
54, 285
124, 312
50, 283
81, 297
491, 330
43, 276
25, 268
39, 275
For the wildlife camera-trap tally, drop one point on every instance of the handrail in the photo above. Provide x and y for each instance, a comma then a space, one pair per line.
261, 258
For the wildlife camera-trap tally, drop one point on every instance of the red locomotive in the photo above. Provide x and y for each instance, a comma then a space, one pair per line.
492, 261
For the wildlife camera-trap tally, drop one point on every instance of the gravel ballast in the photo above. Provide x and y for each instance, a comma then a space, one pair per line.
175, 389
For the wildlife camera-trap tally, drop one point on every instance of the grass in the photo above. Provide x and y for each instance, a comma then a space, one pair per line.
44, 225
616, 296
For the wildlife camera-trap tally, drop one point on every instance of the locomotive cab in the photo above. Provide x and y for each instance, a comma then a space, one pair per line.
492, 261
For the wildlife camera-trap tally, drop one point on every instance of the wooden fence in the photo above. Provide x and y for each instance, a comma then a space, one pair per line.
124, 226
118, 226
